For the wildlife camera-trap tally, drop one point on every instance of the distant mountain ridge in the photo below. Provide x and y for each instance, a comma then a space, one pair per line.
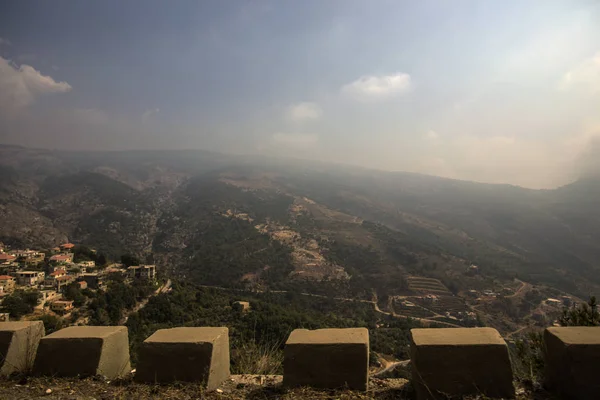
159, 202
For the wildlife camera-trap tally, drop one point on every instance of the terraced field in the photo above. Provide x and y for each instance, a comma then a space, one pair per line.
427, 285
414, 311
442, 304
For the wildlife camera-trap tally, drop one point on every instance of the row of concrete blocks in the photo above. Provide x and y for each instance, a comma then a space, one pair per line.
452, 362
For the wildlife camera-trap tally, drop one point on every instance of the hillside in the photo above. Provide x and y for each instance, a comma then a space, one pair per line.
268, 224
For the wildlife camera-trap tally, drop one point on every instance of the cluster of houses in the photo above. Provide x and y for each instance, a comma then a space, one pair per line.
51, 273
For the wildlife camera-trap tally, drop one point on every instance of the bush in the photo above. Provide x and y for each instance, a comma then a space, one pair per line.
52, 323
528, 357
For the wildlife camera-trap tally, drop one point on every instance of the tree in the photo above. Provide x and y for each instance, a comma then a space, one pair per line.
52, 323
73, 292
129, 260
20, 303
101, 261
585, 314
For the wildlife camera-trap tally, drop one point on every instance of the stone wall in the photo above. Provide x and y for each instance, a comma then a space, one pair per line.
446, 362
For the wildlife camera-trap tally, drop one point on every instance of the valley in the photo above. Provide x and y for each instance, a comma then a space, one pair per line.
419, 247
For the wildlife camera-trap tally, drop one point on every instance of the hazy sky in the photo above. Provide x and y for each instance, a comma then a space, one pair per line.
494, 91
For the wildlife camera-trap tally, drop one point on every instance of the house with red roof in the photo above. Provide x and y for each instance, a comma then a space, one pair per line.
6, 259
67, 246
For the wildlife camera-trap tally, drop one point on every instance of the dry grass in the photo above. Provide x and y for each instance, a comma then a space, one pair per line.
258, 359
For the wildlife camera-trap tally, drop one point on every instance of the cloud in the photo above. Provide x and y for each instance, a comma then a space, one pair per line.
586, 74
378, 87
295, 140
149, 114
305, 111
5, 42
432, 135
21, 85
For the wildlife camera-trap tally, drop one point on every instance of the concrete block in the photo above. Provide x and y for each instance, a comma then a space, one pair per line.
185, 354
84, 351
458, 362
572, 366
327, 358
18, 345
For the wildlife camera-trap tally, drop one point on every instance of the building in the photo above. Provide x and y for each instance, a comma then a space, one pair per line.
30, 278
93, 280
82, 285
142, 272
86, 264
61, 306
62, 281
28, 256
241, 306
6, 259
48, 295
7, 284
63, 258
51, 279
67, 246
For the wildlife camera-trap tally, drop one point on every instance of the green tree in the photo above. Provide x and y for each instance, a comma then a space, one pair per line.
585, 314
129, 260
73, 292
101, 261
20, 303
52, 323
529, 360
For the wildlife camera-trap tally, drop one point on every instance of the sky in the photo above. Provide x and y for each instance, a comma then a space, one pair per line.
503, 91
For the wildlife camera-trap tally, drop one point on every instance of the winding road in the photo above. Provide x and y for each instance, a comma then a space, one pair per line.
425, 321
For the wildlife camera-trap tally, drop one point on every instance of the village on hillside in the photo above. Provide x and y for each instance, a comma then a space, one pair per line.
35, 282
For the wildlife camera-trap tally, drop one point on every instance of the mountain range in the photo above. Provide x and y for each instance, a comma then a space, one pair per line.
236, 220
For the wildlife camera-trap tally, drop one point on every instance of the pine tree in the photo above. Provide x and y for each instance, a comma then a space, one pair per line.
585, 314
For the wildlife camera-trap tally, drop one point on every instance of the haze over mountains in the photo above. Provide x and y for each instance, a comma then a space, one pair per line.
173, 204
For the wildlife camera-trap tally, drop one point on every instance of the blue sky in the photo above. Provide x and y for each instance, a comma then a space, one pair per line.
494, 91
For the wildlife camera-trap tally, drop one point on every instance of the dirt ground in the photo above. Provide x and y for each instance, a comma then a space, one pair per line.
238, 387
252, 387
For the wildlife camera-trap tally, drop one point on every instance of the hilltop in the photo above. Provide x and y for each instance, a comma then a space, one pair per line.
451, 251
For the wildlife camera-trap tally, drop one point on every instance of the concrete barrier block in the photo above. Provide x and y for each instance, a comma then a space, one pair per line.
84, 351
185, 354
18, 345
572, 366
327, 358
458, 362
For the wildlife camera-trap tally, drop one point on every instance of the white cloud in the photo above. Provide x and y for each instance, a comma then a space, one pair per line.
586, 74
295, 140
305, 111
21, 85
149, 114
432, 135
5, 42
378, 87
